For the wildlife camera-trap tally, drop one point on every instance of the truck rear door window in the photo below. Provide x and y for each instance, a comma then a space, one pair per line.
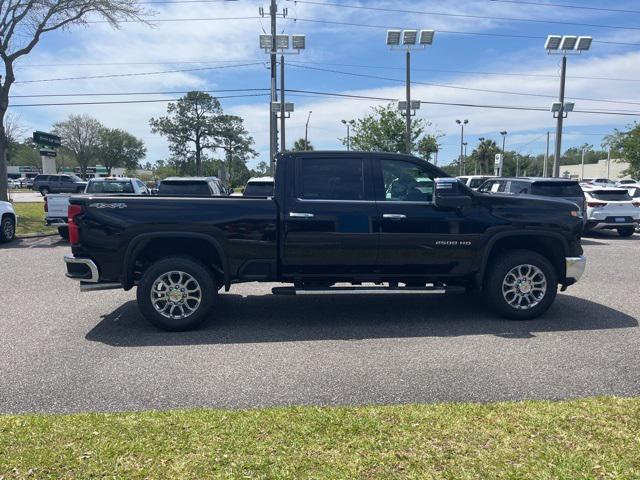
258, 189
331, 179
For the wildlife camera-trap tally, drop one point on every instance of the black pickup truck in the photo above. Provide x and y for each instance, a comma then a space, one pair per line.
338, 222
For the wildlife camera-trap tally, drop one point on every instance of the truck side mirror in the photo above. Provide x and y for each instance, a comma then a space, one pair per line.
450, 193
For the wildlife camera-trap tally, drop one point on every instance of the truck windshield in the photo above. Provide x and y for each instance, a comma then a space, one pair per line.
110, 187
258, 189
187, 188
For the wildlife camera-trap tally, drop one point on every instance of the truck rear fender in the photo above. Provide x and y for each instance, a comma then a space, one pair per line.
181, 243
549, 244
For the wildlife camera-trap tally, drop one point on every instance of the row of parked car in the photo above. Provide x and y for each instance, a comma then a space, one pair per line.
605, 204
56, 204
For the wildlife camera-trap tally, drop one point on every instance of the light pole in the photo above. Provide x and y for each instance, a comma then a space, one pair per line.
464, 163
349, 124
462, 123
272, 44
409, 42
481, 153
306, 132
563, 45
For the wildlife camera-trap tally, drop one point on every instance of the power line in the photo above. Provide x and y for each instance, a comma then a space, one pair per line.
116, 94
460, 87
114, 75
454, 104
561, 5
463, 15
350, 65
453, 32
116, 102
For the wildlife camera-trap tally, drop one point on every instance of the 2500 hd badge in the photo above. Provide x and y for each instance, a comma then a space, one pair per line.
453, 243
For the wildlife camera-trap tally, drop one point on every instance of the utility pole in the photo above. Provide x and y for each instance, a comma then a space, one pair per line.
464, 166
545, 167
348, 124
462, 123
273, 121
283, 145
558, 150
408, 112
608, 163
306, 132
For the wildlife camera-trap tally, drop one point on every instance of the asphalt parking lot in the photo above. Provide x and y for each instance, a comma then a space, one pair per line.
63, 351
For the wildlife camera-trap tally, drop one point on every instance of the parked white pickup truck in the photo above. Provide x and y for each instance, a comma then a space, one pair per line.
57, 205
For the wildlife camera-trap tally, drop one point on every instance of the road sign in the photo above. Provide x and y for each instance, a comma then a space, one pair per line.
46, 139
48, 153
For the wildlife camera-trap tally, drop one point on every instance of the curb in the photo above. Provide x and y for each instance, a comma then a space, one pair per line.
36, 235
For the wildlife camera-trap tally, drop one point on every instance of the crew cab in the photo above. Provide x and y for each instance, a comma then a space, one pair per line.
337, 223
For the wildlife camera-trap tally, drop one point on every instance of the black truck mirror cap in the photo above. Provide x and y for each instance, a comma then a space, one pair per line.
450, 193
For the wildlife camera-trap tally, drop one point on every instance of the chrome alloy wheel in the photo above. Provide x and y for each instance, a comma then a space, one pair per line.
176, 295
524, 286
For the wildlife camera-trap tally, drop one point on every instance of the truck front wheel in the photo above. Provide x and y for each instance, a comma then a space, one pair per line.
176, 293
521, 285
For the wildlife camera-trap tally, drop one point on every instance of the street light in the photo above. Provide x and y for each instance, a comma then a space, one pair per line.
464, 170
306, 132
504, 137
481, 153
462, 123
411, 40
272, 44
563, 45
349, 124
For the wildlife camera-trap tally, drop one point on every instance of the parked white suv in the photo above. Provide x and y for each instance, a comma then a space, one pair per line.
8, 222
612, 209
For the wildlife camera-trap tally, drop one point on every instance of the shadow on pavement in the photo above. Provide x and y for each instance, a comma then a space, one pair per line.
270, 318
48, 241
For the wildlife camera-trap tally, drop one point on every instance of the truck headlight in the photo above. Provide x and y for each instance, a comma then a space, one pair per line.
576, 213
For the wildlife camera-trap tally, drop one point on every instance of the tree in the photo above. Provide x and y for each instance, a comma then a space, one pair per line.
262, 168
300, 145
626, 144
120, 149
482, 158
81, 135
195, 124
384, 131
427, 146
22, 25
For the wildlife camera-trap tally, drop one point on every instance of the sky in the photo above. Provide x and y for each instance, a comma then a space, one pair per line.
485, 53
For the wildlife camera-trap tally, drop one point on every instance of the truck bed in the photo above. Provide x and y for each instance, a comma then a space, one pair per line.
245, 229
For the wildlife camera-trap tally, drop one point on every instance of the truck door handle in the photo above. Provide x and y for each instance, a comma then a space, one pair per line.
300, 215
394, 216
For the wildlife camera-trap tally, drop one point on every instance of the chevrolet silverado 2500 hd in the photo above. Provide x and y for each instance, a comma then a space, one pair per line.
377, 222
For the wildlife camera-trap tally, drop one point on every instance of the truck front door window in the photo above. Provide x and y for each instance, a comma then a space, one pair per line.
406, 182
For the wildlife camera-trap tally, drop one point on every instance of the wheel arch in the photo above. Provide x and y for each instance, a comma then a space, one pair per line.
544, 243
138, 244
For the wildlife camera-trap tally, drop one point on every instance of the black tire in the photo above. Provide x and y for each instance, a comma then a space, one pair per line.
626, 231
205, 281
64, 232
44, 191
497, 274
7, 228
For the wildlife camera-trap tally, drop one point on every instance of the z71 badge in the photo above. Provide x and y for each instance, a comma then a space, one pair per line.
109, 205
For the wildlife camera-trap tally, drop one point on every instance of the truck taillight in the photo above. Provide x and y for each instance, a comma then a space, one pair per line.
46, 205
596, 204
636, 204
74, 232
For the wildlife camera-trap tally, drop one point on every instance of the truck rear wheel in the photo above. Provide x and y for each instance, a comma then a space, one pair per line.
521, 285
176, 293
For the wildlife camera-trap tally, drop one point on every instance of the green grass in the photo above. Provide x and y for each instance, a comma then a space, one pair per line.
31, 218
594, 438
